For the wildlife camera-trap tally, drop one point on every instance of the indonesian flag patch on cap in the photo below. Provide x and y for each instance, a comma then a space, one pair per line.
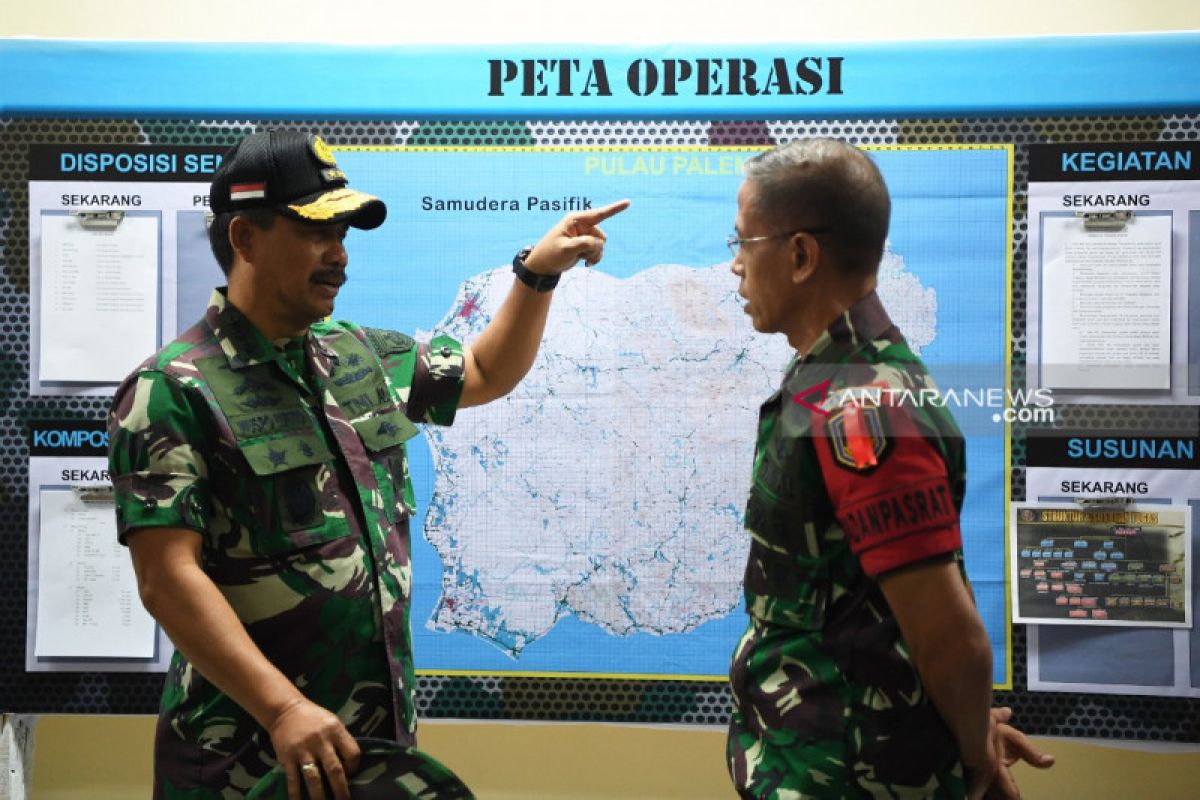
247, 191
292, 173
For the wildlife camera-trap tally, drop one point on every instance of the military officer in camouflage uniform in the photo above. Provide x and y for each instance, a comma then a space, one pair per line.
865, 670
262, 487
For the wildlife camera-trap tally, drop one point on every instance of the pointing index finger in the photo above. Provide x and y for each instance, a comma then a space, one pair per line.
604, 212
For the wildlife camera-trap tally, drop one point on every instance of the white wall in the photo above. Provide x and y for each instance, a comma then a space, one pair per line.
612, 22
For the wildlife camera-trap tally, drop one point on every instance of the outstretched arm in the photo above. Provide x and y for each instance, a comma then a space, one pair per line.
503, 353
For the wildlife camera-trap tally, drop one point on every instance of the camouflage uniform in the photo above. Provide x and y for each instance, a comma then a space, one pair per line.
289, 460
827, 702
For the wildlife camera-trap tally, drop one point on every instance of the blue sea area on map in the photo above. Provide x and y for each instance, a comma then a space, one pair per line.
950, 226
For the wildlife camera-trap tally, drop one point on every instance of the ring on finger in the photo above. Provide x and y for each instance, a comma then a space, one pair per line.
310, 768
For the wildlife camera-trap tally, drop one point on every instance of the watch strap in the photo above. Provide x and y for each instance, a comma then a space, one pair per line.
534, 280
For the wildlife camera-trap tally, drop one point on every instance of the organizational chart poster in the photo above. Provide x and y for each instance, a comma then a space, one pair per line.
1089, 493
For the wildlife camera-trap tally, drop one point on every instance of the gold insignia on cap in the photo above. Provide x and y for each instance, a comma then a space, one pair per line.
332, 204
321, 150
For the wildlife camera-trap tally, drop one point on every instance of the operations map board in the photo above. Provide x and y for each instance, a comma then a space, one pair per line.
590, 523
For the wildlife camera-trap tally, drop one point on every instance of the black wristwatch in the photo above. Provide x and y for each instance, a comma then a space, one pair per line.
534, 280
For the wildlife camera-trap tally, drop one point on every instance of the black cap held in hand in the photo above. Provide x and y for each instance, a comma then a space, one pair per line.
293, 173
386, 771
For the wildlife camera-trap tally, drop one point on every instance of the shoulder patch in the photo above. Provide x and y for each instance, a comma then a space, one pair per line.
387, 342
857, 437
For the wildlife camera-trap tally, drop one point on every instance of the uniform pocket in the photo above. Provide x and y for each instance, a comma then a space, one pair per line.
300, 493
383, 435
787, 580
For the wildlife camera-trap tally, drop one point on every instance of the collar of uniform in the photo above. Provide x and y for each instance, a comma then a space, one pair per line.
860, 323
241, 342
809, 377
319, 336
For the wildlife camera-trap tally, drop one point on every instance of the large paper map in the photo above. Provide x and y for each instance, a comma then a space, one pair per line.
590, 522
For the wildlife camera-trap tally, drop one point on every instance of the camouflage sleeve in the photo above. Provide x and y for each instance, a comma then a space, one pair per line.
888, 485
429, 377
438, 380
160, 477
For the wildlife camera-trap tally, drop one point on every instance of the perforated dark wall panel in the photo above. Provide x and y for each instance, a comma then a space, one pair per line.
1060, 714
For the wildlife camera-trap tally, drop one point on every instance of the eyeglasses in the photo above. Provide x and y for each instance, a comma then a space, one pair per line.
735, 242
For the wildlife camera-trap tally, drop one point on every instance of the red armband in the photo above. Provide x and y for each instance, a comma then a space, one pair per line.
888, 485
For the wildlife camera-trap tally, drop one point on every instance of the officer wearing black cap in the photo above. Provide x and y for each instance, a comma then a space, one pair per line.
260, 474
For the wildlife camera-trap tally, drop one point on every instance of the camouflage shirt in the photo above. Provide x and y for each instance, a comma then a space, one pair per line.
289, 459
827, 702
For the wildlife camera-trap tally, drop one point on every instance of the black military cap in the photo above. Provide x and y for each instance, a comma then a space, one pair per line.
295, 174
386, 771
